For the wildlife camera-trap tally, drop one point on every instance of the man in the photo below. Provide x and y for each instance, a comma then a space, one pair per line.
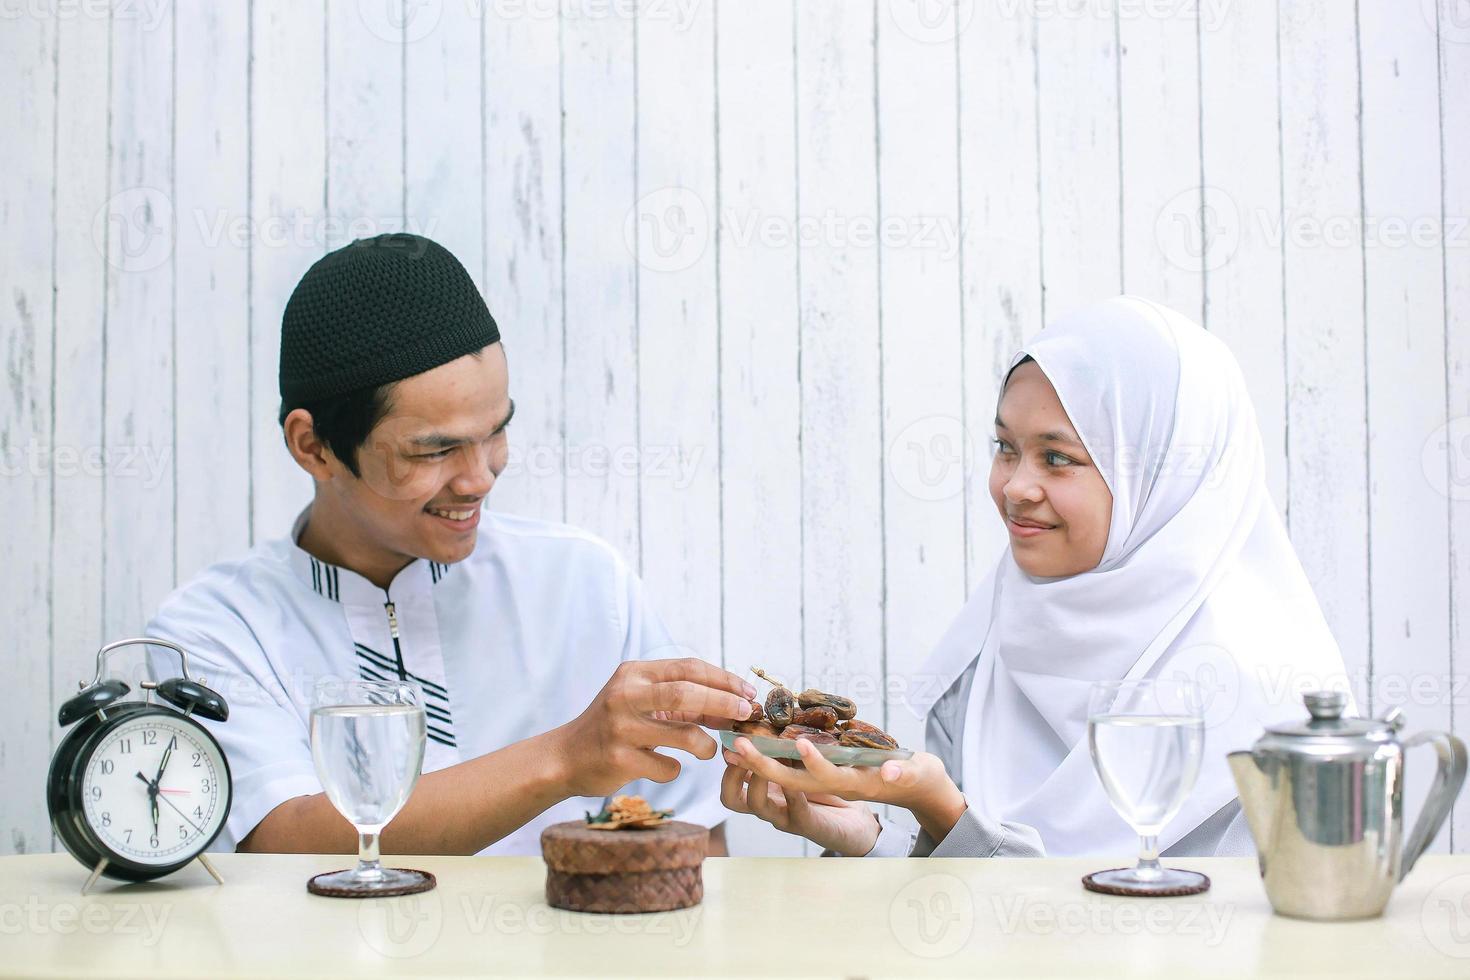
537, 652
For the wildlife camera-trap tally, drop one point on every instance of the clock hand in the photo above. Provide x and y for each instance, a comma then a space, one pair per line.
182, 814
152, 799
167, 751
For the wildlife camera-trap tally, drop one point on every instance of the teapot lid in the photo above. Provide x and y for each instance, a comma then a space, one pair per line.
1326, 708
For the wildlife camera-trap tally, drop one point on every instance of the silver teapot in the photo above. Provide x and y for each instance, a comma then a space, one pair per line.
1324, 800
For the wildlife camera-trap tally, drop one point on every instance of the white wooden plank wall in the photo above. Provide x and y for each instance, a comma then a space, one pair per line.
759, 266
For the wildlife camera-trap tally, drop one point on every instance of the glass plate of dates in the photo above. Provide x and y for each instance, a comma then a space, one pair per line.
828, 721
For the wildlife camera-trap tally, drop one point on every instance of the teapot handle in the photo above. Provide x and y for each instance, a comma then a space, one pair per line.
1447, 781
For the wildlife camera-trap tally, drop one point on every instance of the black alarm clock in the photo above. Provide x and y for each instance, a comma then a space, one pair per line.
137, 790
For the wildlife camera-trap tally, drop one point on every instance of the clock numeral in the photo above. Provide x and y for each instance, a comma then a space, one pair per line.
128, 835
124, 746
199, 813
204, 786
152, 840
96, 792
106, 818
196, 759
107, 767
150, 737
182, 833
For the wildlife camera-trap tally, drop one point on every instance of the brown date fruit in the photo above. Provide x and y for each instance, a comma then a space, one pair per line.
755, 728
780, 709
812, 698
757, 713
867, 740
820, 717
853, 725
815, 735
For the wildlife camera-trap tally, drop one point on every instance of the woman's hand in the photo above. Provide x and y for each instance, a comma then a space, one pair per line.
919, 784
850, 829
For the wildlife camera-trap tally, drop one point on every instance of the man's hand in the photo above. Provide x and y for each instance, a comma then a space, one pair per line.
647, 704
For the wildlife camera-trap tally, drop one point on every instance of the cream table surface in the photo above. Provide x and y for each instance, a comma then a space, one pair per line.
768, 917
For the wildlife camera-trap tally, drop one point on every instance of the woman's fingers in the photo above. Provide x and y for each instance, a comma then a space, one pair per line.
816, 763
758, 798
770, 769
899, 774
732, 790
798, 811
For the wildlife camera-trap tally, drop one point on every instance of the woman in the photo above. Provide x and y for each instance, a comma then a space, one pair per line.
1143, 543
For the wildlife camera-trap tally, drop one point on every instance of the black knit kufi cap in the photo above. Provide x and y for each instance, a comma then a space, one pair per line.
376, 311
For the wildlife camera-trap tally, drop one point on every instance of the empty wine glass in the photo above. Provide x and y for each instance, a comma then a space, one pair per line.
1147, 739
367, 739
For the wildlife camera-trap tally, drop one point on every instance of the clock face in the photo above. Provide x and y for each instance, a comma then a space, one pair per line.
172, 756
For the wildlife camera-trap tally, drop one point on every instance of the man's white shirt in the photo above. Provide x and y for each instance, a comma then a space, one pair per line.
513, 641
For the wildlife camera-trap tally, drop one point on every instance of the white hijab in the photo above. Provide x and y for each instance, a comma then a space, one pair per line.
1198, 579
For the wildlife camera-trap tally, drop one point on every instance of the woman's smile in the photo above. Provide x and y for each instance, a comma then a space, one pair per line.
1025, 527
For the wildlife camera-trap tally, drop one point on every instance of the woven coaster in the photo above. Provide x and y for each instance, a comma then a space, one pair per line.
427, 883
1203, 885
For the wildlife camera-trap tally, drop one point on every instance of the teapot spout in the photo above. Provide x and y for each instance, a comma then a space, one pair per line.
1254, 787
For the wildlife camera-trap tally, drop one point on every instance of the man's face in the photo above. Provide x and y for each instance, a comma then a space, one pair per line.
428, 465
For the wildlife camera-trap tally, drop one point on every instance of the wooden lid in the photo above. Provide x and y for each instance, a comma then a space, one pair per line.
573, 848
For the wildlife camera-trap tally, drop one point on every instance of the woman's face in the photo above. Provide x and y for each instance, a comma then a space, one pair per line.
1054, 501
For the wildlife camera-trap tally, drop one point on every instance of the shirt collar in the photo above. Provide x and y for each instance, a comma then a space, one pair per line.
341, 584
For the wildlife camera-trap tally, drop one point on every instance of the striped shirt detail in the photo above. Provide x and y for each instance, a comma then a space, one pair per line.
324, 580
372, 665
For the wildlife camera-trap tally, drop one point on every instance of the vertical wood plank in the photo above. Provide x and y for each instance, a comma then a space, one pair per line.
523, 220
83, 86
1242, 193
1000, 182
841, 425
288, 217
601, 336
760, 419
27, 453
442, 140
1322, 261
1081, 214
139, 370
365, 158
211, 293
678, 388
919, 302
1449, 450
1405, 353
1159, 115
